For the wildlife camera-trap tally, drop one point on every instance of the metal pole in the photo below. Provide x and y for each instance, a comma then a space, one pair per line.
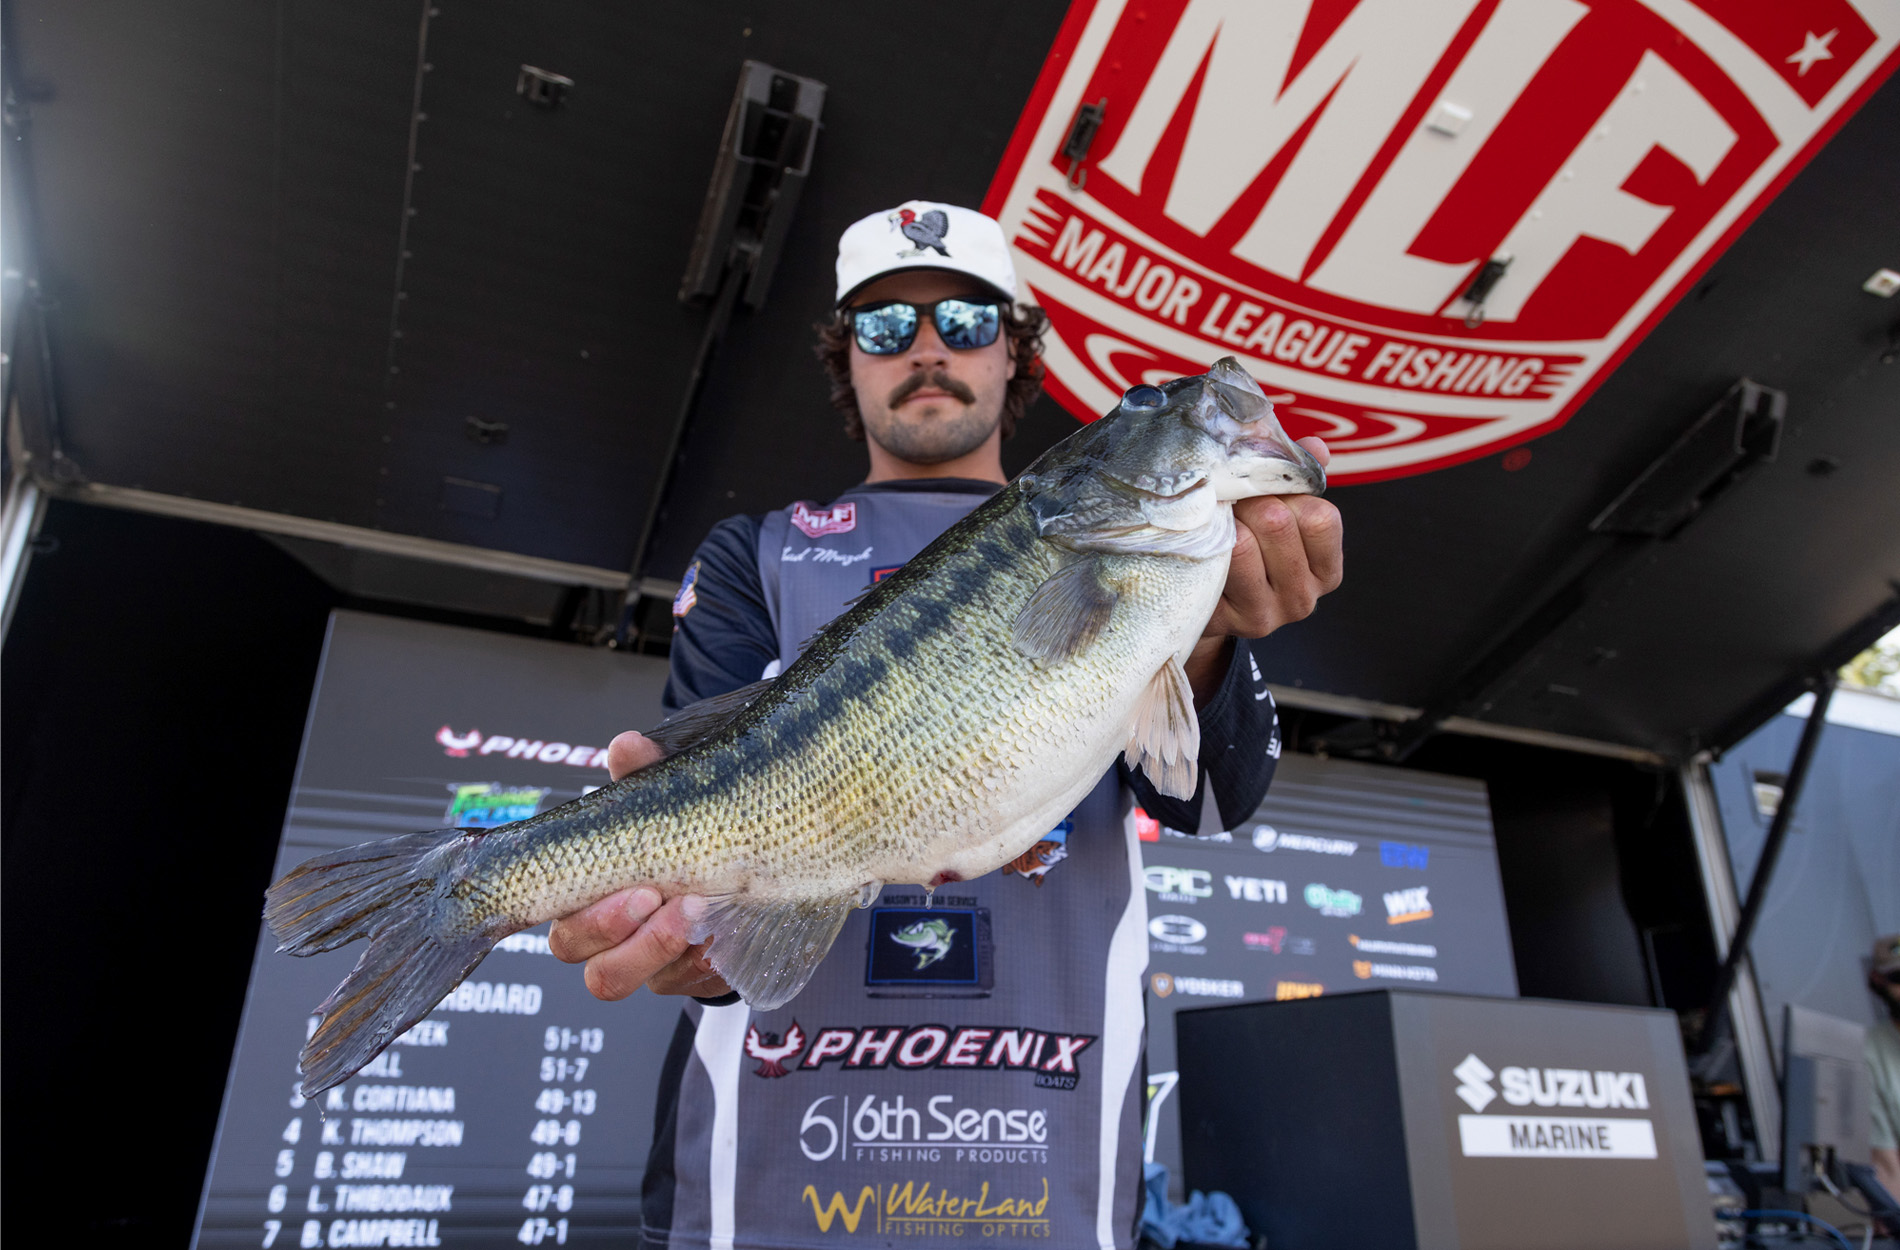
729, 288
1765, 869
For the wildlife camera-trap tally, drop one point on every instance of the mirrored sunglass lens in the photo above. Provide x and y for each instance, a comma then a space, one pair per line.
886, 331
966, 325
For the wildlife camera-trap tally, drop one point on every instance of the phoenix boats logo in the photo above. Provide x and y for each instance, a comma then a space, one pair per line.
1429, 227
461, 746
1053, 1057
1506, 1135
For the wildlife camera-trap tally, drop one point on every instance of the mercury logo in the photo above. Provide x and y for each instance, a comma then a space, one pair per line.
1474, 1083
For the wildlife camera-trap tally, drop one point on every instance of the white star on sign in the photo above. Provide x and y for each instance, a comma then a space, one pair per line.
1813, 48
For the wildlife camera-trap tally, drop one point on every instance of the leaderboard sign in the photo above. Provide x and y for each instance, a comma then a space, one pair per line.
1349, 877
519, 1111
1429, 227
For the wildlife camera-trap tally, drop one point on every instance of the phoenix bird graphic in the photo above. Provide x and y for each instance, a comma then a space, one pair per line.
454, 745
769, 1050
926, 231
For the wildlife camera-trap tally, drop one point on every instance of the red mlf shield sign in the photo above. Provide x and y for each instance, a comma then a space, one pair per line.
1314, 185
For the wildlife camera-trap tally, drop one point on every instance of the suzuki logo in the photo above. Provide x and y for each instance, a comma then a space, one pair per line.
1474, 1083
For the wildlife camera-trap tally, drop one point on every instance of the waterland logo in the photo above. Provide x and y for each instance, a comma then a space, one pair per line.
926, 1209
490, 805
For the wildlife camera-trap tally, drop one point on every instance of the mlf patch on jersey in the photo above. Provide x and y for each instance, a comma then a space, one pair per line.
1317, 186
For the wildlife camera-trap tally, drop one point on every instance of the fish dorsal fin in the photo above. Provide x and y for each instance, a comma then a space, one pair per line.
1065, 614
1165, 740
696, 722
768, 948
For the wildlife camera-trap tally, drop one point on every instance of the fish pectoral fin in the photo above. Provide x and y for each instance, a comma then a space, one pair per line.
696, 722
1065, 614
1165, 740
768, 949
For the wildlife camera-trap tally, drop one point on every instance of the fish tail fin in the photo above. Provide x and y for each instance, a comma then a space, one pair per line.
395, 893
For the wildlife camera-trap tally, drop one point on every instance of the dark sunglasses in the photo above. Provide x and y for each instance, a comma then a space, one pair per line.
891, 327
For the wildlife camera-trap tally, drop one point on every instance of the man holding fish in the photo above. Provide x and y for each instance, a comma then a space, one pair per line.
992, 1088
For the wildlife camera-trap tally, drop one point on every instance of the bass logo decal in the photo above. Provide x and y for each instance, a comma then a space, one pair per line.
930, 940
817, 522
771, 1051
1429, 227
456, 744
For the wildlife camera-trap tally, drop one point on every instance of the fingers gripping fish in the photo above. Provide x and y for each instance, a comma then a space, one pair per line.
933, 732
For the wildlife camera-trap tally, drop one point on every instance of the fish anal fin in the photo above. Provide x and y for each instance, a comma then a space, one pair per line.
1065, 614
1165, 739
768, 949
696, 722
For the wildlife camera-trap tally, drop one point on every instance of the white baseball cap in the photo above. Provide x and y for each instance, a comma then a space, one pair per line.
920, 234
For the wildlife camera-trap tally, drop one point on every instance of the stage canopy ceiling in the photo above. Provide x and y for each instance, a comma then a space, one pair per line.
352, 263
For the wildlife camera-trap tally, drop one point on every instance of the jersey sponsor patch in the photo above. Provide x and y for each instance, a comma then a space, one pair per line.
817, 522
934, 952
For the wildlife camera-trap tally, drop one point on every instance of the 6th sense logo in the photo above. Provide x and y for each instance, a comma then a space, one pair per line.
1428, 227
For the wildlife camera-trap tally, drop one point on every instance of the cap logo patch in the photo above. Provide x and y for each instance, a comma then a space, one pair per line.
815, 523
926, 232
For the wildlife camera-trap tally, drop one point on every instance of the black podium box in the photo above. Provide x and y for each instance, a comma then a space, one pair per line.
1441, 1122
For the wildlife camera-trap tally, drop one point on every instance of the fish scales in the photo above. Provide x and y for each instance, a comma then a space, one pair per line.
935, 731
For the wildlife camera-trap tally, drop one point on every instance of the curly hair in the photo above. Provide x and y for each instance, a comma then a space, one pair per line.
1023, 326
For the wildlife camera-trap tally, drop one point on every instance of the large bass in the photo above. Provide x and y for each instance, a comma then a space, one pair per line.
932, 733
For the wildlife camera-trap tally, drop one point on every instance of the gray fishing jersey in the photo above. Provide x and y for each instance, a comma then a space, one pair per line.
963, 1066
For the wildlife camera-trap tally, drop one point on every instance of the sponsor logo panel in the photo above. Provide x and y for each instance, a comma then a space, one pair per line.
1284, 991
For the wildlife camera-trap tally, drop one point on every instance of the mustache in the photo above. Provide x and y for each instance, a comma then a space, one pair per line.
938, 379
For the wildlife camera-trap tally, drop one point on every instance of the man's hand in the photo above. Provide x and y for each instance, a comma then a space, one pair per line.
1287, 553
636, 937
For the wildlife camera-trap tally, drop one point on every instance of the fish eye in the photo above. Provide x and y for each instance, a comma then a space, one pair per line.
1143, 397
